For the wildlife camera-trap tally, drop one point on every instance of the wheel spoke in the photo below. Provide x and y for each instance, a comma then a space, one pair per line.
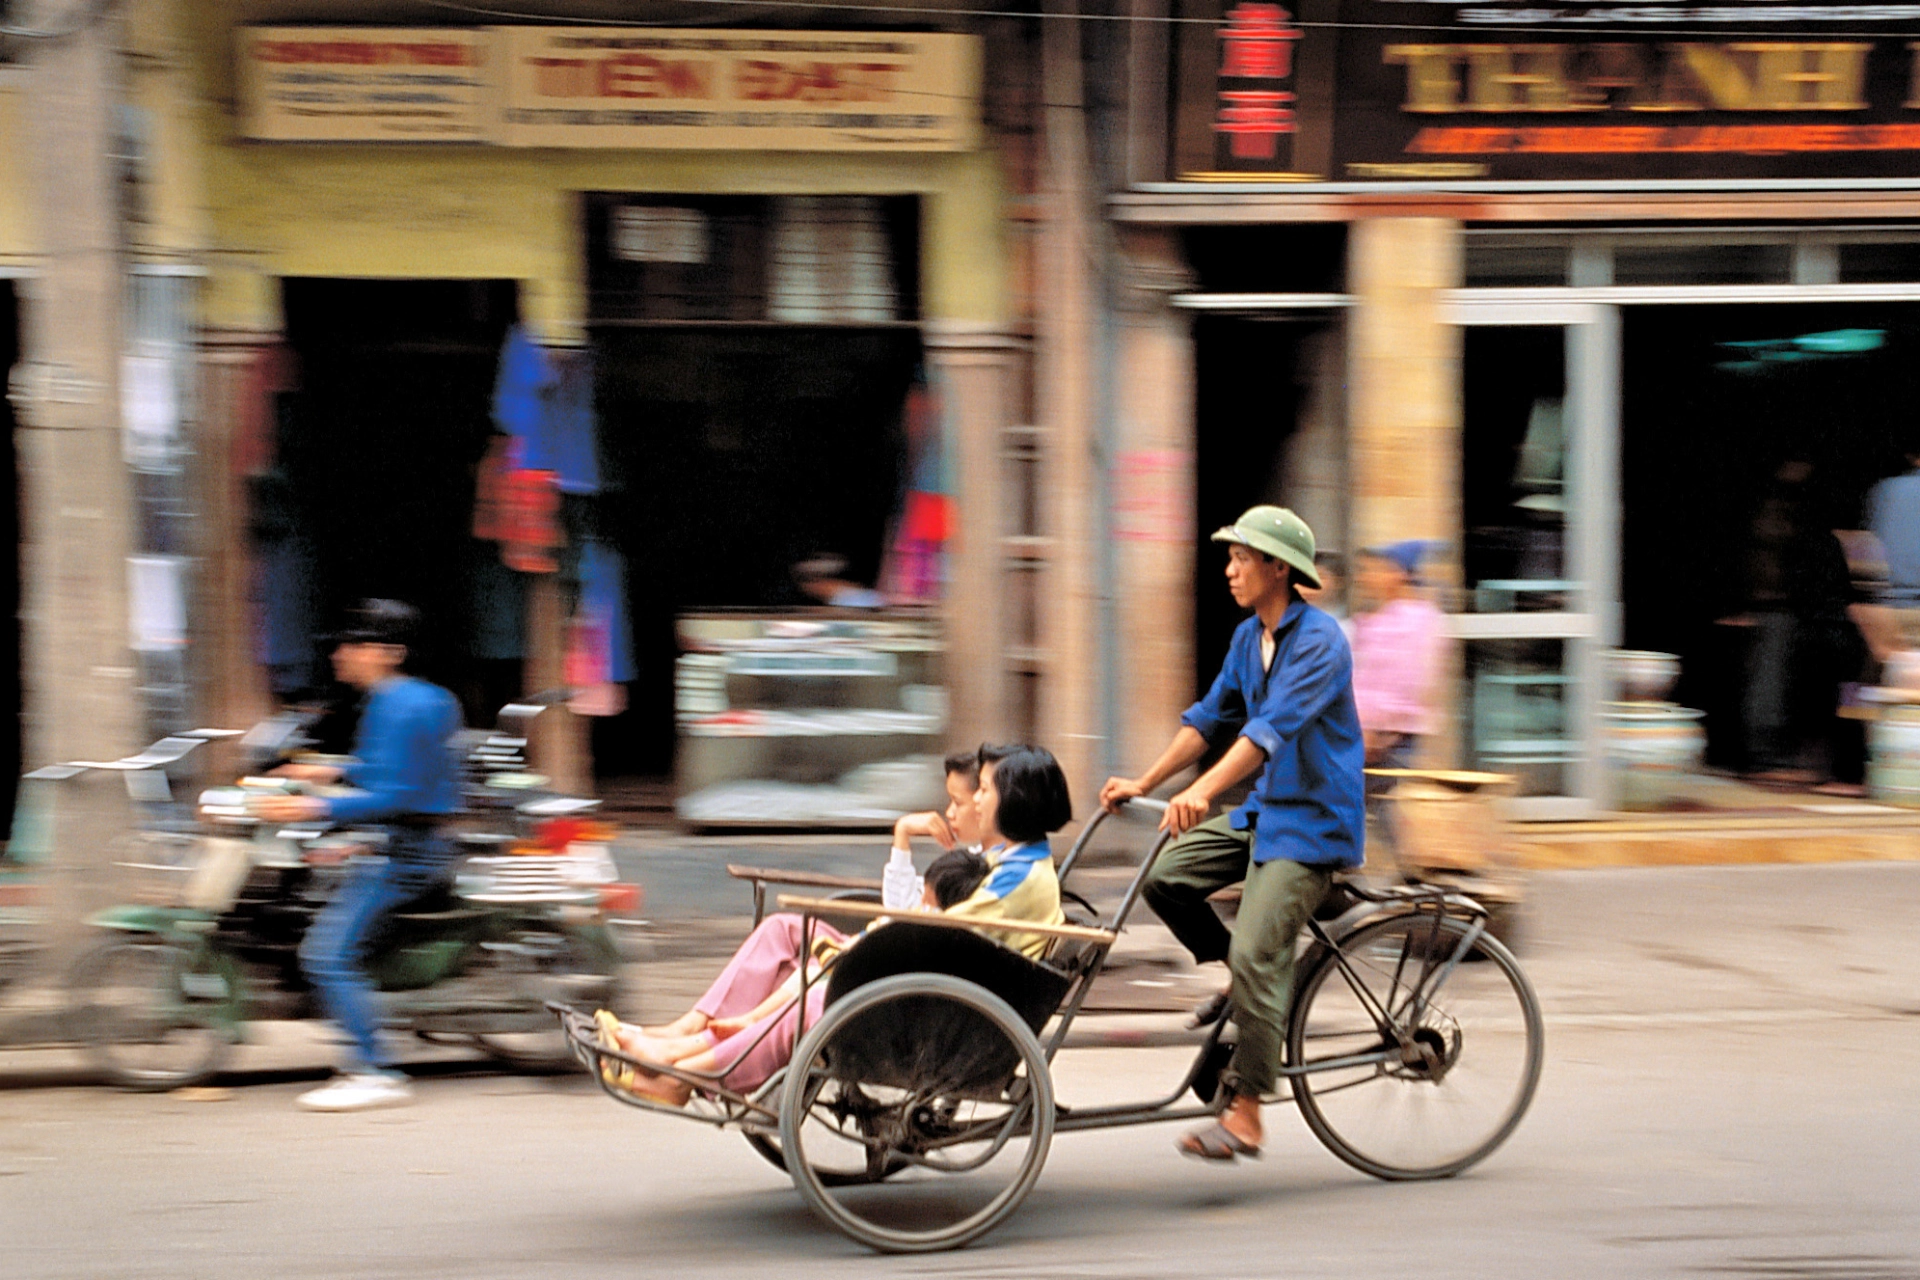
932, 1076
139, 1006
1465, 1033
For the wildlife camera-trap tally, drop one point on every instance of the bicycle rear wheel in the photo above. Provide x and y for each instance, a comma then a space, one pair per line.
1466, 1033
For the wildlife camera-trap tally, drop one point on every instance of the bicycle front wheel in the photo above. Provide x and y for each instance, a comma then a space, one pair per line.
1462, 1035
150, 1013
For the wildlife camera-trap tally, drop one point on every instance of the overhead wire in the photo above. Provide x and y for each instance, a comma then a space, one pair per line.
1679, 24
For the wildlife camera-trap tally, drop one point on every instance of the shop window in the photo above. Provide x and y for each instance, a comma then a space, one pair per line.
1882, 263
1702, 264
753, 259
831, 262
1513, 484
1518, 702
1512, 265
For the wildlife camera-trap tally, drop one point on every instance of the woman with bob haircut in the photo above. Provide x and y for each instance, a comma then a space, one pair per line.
1020, 799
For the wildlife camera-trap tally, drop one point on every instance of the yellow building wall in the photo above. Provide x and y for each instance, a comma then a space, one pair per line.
491, 214
17, 239
471, 212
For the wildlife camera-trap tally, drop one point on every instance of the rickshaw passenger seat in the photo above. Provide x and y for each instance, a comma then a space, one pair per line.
1035, 990
916, 1041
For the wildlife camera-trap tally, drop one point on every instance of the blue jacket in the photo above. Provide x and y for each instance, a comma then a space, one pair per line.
1309, 802
408, 762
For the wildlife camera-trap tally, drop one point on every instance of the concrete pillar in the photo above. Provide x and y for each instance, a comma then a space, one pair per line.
81, 701
1404, 405
1154, 521
1072, 716
974, 368
1404, 382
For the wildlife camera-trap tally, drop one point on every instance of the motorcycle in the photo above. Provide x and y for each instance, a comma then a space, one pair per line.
524, 920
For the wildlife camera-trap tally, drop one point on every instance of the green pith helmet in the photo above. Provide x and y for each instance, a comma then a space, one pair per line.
1279, 533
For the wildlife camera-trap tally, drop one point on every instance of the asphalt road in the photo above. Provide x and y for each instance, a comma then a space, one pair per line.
1729, 1091
1778, 1148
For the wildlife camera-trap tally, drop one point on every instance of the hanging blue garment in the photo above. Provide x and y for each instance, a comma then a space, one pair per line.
525, 374
603, 598
565, 442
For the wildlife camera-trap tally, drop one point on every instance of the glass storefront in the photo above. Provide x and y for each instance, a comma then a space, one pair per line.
1666, 450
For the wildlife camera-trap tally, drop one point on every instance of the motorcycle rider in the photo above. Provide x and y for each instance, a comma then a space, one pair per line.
408, 771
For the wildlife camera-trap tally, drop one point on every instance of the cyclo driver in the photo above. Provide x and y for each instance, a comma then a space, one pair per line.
408, 772
1285, 698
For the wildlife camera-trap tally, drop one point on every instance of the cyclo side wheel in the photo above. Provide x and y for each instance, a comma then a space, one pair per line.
931, 1073
150, 1012
1473, 1045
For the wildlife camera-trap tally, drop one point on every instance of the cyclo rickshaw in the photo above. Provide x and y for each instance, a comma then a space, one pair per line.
916, 1113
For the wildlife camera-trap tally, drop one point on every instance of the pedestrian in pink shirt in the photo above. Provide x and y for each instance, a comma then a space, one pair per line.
1397, 644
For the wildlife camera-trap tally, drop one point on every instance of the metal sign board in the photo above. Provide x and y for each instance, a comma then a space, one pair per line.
1547, 90
739, 90
365, 84
1560, 91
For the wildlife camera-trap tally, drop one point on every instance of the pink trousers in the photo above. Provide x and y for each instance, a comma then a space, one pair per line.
769, 956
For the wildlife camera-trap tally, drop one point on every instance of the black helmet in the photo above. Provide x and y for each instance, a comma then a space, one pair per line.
380, 622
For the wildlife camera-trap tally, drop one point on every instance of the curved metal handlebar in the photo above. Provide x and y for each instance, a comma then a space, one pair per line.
1093, 824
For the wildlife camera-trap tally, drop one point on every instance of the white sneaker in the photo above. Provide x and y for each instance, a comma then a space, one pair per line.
358, 1093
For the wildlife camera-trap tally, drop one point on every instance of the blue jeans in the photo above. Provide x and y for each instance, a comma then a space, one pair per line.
334, 953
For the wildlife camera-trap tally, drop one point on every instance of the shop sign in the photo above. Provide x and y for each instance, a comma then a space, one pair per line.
1398, 90
1617, 91
364, 84
747, 90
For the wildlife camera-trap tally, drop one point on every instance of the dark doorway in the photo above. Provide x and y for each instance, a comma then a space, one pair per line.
378, 450
754, 357
1250, 382
733, 453
1736, 416
10, 687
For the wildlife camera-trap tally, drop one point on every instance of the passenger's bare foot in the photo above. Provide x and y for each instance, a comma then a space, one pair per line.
690, 1023
665, 1050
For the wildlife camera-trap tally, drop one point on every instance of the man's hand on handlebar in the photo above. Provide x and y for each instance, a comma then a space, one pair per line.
289, 808
1186, 810
1117, 791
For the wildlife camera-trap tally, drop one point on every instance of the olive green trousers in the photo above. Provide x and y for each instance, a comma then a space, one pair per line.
1279, 898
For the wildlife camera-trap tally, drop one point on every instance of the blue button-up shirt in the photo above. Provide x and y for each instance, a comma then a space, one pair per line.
1309, 803
408, 761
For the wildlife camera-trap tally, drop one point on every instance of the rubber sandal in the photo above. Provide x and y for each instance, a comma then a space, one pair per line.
1216, 1144
1216, 1007
619, 1075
